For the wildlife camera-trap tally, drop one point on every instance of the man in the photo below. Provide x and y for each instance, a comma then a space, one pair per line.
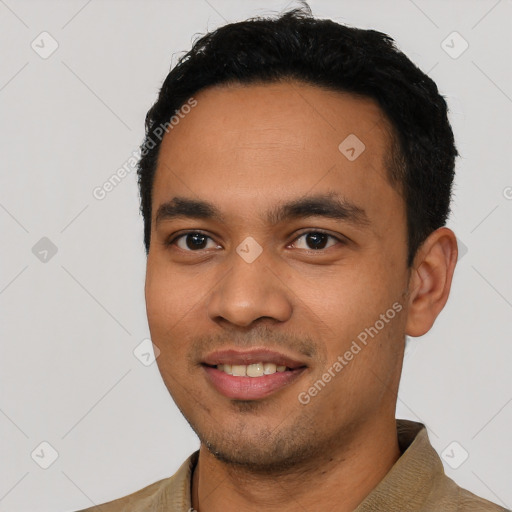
295, 184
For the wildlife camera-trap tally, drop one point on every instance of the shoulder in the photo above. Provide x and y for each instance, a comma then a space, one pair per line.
449, 496
170, 494
142, 499
467, 501
418, 479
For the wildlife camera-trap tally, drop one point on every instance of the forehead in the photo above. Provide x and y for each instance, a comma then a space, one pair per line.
245, 145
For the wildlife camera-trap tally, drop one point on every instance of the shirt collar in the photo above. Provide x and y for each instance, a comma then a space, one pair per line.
414, 475
410, 480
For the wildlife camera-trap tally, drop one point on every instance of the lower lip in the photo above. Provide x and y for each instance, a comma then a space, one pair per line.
250, 388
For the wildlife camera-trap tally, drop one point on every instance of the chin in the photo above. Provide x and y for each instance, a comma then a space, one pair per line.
266, 451
263, 461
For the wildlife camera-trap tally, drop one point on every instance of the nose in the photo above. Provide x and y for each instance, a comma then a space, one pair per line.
250, 291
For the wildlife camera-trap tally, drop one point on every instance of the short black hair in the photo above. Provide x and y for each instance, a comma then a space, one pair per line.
321, 52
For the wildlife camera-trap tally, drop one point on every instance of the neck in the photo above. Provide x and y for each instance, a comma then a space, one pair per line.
345, 476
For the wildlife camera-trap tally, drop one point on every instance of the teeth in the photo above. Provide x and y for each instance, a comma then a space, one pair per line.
251, 370
240, 370
225, 368
269, 368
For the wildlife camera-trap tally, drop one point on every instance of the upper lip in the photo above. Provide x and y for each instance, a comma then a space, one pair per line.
246, 357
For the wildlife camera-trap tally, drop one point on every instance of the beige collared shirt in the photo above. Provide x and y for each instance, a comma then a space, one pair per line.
415, 483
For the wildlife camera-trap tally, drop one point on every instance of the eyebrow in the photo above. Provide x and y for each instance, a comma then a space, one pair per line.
330, 205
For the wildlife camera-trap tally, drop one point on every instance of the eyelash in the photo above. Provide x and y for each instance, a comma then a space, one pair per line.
315, 231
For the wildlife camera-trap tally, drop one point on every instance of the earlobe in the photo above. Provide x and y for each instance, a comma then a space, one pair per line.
430, 281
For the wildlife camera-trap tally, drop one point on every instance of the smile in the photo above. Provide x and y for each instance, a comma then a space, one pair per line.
249, 382
251, 370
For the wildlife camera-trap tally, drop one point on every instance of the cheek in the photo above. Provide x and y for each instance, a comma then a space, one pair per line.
347, 305
167, 294
166, 315
173, 304
158, 301
345, 296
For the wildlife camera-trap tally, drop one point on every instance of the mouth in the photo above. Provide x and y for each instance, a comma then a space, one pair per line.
251, 375
251, 370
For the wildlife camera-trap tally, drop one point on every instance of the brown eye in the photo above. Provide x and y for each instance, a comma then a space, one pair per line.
192, 241
316, 240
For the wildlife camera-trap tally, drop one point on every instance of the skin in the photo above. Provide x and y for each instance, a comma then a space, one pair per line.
247, 149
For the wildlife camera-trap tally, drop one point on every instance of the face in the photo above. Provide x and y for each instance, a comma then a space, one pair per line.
293, 253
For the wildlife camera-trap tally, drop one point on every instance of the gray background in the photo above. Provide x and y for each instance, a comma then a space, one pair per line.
70, 321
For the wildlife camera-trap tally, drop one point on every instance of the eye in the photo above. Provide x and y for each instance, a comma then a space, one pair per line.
192, 241
316, 239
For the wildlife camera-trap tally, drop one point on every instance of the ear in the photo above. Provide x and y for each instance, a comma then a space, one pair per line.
430, 280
